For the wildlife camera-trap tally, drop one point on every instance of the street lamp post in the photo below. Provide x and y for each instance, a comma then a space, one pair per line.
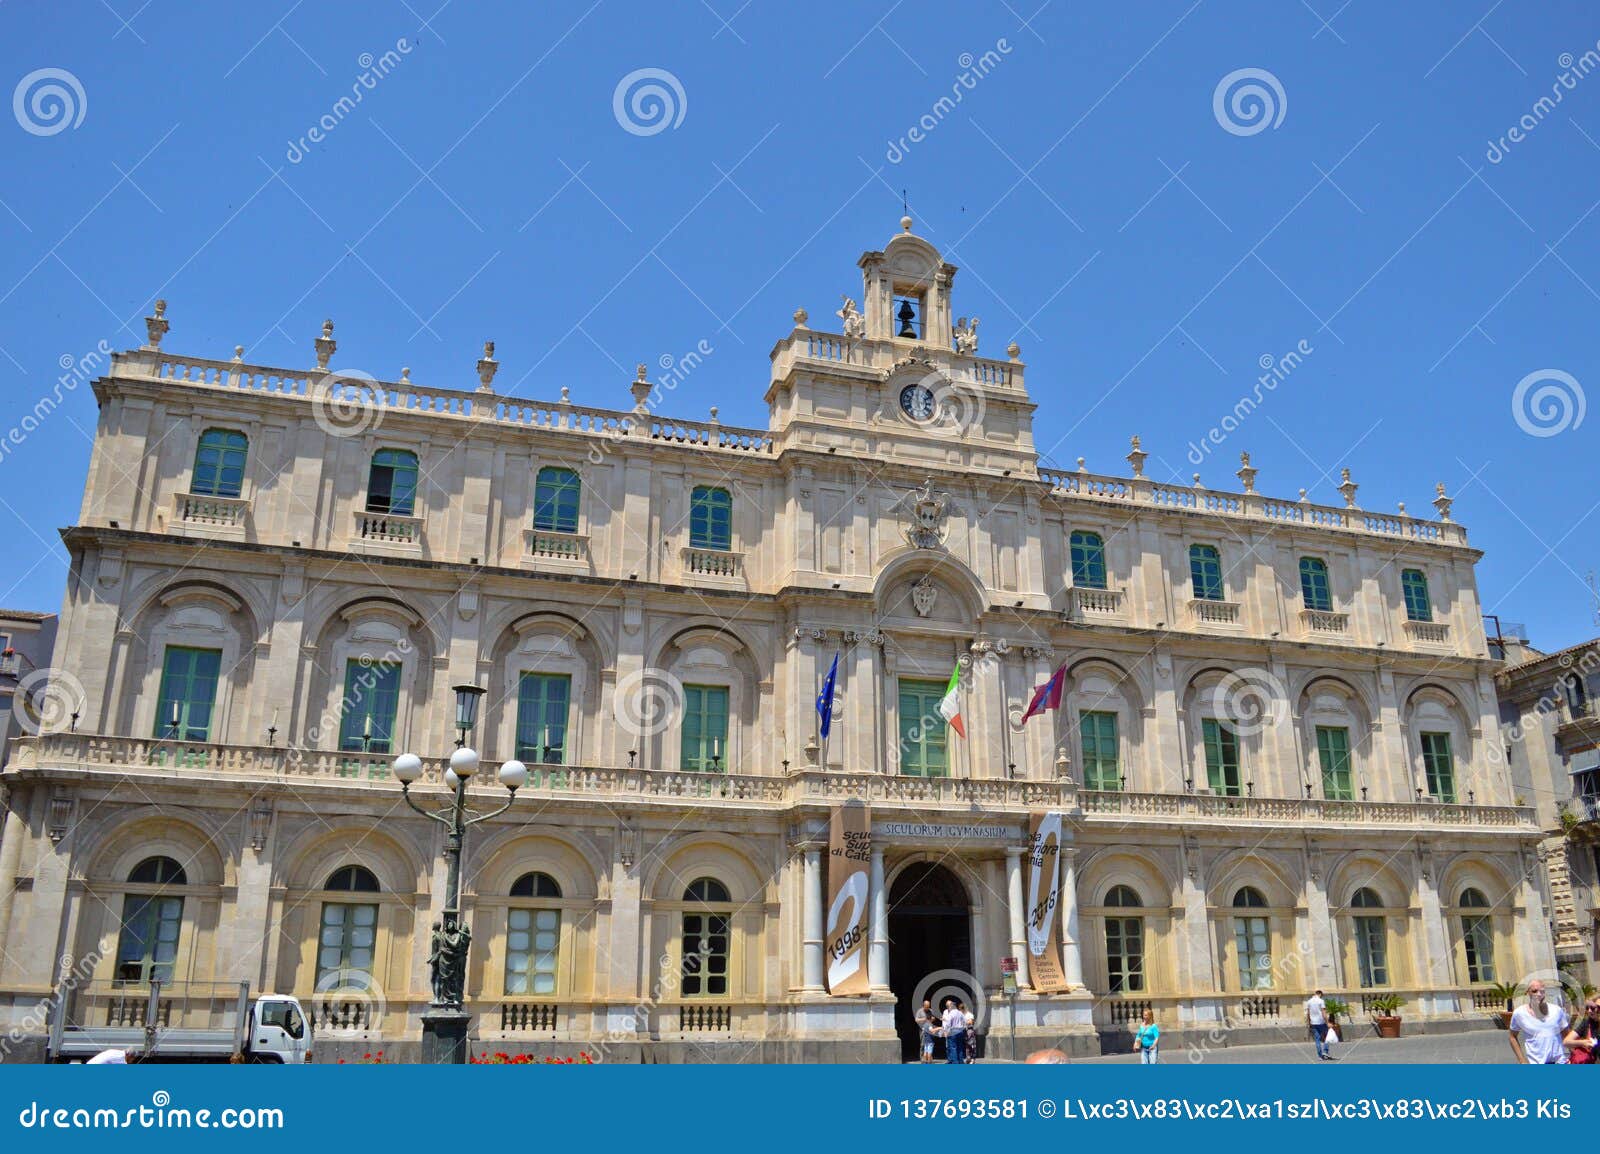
444, 1025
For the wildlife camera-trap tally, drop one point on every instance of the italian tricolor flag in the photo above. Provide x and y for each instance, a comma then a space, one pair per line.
950, 705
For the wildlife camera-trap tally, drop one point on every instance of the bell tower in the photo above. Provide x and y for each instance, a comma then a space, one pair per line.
905, 291
899, 377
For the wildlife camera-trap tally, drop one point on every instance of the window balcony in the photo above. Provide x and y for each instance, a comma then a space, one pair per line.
1203, 612
1428, 632
388, 528
722, 563
10, 664
1322, 623
210, 514
545, 545
1091, 603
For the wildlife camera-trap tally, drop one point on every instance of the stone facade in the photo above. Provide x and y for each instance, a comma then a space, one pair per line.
678, 589
26, 642
1550, 726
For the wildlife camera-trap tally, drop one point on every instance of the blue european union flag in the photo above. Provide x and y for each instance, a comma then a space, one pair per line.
825, 699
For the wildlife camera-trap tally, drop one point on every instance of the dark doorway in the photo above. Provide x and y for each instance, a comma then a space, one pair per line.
930, 935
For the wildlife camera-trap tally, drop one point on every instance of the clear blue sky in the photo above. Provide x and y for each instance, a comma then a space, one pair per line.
1144, 257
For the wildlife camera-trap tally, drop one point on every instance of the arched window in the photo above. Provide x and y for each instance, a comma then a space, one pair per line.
1477, 936
1572, 689
707, 941
352, 879
533, 938
536, 885
1088, 560
147, 946
1205, 572
555, 500
1372, 940
219, 463
1314, 590
1124, 943
1414, 585
1252, 941
706, 890
710, 518
392, 482
349, 933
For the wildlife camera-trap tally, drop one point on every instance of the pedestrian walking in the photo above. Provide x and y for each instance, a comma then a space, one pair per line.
1584, 1036
1147, 1040
1537, 1030
955, 1033
927, 1022
1317, 1019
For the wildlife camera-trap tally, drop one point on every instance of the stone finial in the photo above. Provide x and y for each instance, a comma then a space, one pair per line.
566, 395
1246, 473
1136, 458
1304, 500
714, 420
1014, 351
326, 345
1081, 467
1347, 488
238, 352
487, 368
1441, 502
156, 326
1197, 483
405, 376
800, 318
640, 387
1403, 512
905, 224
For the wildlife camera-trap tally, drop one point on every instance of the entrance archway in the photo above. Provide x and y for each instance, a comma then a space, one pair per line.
930, 930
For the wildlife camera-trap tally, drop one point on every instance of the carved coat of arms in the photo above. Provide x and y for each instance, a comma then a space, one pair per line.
927, 515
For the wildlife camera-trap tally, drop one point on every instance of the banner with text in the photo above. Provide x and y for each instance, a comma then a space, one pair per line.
849, 881
1044, 898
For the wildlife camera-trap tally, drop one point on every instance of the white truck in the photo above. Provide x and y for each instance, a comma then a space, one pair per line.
182, 1022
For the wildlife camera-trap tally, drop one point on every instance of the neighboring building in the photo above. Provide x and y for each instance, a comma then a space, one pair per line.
26, 642
1551, 728
1275, 747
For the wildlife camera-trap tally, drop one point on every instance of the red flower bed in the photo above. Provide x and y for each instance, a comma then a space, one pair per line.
501, 1058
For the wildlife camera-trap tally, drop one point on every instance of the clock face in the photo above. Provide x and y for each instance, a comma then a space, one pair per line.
917, 401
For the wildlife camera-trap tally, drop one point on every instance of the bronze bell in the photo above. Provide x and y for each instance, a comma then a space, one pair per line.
907, 315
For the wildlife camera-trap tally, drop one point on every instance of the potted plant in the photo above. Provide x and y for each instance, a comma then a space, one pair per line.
1337, 1012
1386, 1014
1509, 991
